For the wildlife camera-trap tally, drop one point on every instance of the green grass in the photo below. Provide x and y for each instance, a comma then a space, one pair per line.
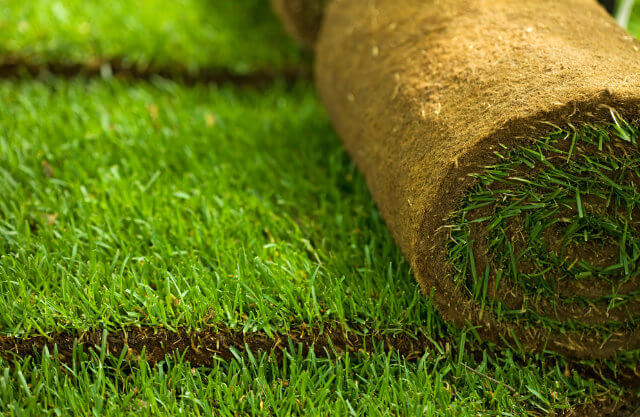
171, 205
440, 383
240, 35
634, 22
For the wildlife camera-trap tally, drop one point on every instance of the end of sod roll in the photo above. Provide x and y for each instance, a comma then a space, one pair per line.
547, 241
301, 18
499, 141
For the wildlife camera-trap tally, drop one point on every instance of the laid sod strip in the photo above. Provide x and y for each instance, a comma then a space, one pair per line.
190, 36
494, 381
127, 204
209, 345
425, 97
256, 384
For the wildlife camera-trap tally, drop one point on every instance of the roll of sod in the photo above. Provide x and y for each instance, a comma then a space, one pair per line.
498, 138
302, 18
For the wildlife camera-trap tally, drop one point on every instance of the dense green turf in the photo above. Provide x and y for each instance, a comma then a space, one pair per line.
238, 35
372, 385
171, 205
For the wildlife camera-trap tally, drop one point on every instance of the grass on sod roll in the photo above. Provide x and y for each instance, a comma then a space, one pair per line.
559, 221
240, 35
132, 204
549, 235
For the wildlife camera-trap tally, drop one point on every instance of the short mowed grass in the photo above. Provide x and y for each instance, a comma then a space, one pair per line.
128, 203
240, 36
166, 205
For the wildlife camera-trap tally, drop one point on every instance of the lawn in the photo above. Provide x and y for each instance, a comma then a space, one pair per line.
213, 207
195, 35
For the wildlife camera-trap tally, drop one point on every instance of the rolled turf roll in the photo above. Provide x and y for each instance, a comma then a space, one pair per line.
302, 18
498, 139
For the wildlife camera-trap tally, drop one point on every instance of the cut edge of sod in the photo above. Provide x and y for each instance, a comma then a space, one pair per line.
207, 346
23, 67
543, 246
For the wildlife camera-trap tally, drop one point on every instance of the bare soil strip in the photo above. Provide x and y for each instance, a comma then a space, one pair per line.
203, 348
22, 67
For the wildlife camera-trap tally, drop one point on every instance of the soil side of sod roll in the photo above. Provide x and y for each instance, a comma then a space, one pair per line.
301, 18
427, 94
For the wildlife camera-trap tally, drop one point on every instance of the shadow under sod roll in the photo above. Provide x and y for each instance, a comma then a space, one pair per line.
498, 139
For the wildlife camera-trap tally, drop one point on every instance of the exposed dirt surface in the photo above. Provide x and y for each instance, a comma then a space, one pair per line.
625, 407
423, 92
204, 347
21, 67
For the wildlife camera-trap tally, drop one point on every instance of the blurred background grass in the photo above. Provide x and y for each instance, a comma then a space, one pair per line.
240, 35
